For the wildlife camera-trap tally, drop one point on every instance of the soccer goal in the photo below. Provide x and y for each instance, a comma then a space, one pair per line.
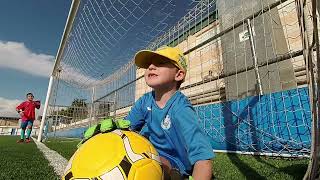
252, 76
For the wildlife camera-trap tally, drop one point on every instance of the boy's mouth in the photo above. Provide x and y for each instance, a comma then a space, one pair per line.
152, 75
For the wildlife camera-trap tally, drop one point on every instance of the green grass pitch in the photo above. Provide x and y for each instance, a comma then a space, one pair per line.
225, 166
23, 161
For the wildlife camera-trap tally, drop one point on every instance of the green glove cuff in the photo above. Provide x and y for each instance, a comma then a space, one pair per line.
190, 178
106, 125
122, 124
89, 132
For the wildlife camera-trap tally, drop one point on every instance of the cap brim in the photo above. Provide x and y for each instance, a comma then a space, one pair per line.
143, 58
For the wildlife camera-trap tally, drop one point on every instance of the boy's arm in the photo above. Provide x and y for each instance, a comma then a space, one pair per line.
196, 142
20, 107
202, 170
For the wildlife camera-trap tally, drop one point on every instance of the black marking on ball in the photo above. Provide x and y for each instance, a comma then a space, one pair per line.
68, 176
125, 165
146, 155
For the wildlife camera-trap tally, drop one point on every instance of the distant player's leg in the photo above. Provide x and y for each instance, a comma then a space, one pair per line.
22, 131
29, 129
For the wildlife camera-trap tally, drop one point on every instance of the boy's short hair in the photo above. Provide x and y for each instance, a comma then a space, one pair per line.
179, 84
29, 94
173, 54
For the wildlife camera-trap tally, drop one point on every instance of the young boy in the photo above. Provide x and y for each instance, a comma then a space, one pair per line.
166, 117
27, 113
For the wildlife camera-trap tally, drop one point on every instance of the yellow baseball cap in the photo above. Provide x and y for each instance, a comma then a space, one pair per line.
173, 54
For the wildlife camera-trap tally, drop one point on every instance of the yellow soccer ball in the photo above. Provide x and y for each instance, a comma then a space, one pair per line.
119, 155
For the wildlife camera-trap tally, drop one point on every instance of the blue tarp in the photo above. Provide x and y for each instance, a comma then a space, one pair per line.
276, 122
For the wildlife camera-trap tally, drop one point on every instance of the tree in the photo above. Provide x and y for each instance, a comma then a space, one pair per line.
76, 111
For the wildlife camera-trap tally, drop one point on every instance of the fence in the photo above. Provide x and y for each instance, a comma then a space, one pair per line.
252, 71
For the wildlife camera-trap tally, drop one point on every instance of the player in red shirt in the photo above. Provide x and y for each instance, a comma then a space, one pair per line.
27, 113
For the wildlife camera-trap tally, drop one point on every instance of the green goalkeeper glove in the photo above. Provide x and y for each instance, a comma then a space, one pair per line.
104, 126
122, 124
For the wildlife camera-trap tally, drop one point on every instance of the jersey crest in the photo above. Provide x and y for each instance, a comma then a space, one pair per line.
166, 123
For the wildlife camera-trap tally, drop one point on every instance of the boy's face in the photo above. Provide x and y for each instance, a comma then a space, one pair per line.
30, 97
162, 73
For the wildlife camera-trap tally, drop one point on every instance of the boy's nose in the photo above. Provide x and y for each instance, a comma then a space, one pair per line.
152, 66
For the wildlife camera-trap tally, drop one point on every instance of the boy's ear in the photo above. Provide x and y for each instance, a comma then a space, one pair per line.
180, 75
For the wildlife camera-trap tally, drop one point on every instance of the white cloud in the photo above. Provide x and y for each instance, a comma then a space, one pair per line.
74, 76
16, 55
8, 107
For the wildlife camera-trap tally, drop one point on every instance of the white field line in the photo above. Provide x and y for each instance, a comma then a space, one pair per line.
55, 159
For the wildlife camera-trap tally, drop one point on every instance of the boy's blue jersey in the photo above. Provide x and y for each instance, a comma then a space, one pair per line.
173, 130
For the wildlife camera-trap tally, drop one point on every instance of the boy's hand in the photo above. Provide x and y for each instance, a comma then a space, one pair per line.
202, 170
37, 103
122, 124
103, 126
106, 125
20, 112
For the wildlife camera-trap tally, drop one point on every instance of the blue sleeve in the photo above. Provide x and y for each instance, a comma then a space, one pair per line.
196, 141
136, 115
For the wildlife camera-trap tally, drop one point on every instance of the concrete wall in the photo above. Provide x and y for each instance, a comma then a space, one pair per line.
276, 33
270, 42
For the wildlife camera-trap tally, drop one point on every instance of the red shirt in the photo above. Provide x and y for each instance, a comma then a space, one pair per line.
28, 108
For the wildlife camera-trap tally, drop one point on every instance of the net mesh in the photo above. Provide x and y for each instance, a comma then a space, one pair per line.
246, 76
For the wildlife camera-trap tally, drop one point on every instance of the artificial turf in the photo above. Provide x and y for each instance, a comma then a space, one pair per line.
235, 166
65, 147
225, 166
23, 161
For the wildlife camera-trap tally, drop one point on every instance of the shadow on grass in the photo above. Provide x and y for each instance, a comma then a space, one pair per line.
244, 168
231, 142
231, 123
296, 171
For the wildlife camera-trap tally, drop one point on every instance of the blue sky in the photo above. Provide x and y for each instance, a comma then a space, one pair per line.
31, 31
30, 34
